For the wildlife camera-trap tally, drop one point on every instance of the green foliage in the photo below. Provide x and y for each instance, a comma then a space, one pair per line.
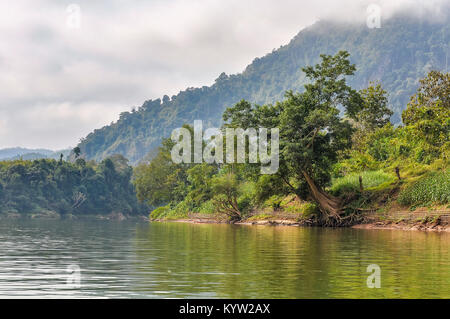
355, 162
375, 112
291, 205
350, 183
246, 200
423, 140
431, 100
385, 54
268, 186
262, 216
200, 179
207, 208
428, 114
317, 128
161, 181
226, 191
274, 202
309, 209
311, 129
82, 188
433, 188
159, 212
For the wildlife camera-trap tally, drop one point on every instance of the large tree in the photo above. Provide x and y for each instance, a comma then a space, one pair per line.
428, 112
375, 112
313, 128
161, 181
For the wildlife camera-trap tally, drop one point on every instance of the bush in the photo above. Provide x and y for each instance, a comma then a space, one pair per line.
274, 202
357, 162
309, 209
268, 186
160, 212
207, 208
305, 209
432, 188
246, 199
350, 183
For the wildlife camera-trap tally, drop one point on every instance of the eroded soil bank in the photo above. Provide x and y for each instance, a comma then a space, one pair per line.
435, 224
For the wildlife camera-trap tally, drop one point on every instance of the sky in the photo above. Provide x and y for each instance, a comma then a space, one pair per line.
69, 67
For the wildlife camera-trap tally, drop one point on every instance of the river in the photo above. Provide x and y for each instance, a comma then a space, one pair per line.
98, 259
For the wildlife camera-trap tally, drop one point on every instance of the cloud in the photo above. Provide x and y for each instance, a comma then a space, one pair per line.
58, 83
49, 125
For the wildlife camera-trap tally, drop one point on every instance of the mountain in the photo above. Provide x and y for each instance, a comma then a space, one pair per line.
8, 153
398, 54
15, 153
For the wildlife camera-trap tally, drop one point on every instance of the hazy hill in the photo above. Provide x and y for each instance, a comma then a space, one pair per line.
398, 54
8, 153
16, 153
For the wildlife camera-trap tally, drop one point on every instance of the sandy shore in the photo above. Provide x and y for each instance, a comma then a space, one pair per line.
286, 222
404, 226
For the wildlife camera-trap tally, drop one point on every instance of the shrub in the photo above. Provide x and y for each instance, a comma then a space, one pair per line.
305, 209
350, 183
309, 209
432, 188
207, 208
159, 212
274, 202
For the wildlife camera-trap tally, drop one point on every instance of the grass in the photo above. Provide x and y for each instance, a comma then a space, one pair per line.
159, 212
433, 188
262, 216
370, 179
166, 213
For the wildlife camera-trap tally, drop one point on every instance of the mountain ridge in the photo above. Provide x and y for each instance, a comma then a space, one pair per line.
398, 54
16, 153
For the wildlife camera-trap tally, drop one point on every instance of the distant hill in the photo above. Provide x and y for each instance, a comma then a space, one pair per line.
9, 154
398, 54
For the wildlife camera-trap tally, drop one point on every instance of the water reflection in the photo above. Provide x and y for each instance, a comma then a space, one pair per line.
167, 260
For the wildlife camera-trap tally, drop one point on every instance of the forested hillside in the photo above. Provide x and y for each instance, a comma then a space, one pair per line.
48, 186
332, 169
397, 55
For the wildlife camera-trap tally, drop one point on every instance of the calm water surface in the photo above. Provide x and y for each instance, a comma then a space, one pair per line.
175, 260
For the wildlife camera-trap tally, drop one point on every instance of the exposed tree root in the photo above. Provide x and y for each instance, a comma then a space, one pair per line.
328, 204
333, 212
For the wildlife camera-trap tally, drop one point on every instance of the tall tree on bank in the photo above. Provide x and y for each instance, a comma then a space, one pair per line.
428, 112
312, 130
375, 112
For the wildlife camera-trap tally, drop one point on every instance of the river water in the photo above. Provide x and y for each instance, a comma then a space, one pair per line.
97, 259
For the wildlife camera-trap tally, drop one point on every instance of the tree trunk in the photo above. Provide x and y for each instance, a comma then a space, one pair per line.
329, 205
229, 207
397, 171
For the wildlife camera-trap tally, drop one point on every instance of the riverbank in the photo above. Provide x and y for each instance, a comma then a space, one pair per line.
404, 226
435, 221
376, 225
55, 216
